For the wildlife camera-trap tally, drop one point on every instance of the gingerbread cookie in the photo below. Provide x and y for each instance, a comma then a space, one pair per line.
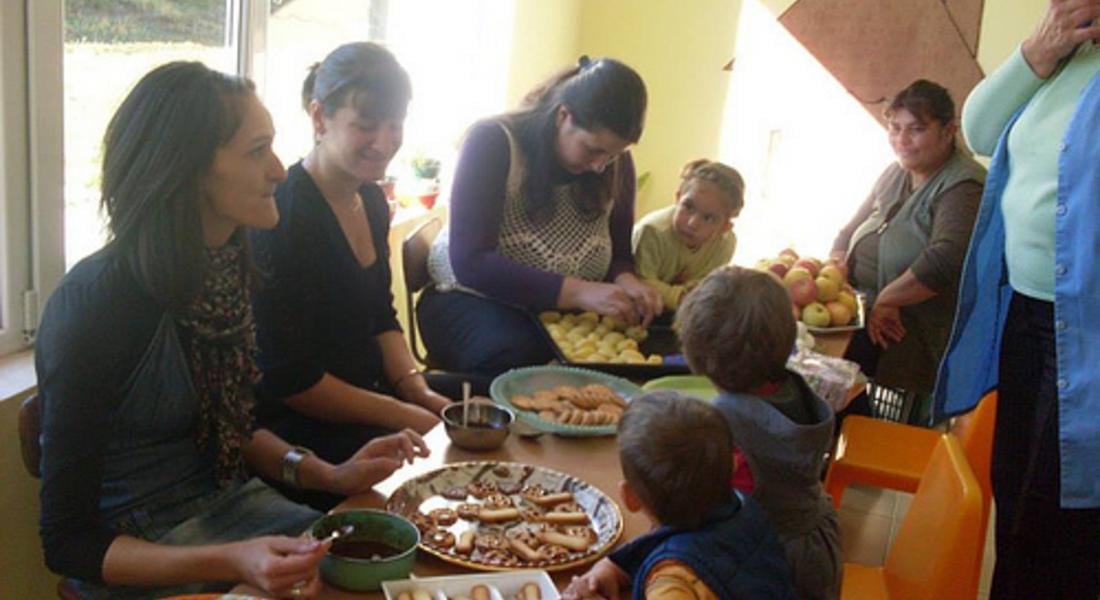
482, 488
439, 538
443, 516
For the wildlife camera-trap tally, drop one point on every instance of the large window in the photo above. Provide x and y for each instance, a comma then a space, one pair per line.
456, 53
123, 38
66, 66
809, 153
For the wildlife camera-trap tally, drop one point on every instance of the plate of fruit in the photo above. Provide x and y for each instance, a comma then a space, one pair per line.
822, 296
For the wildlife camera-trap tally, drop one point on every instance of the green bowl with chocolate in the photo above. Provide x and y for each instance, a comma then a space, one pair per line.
381, 547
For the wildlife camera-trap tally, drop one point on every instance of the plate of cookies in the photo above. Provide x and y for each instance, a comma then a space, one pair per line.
565, 400
499, 516
513, 585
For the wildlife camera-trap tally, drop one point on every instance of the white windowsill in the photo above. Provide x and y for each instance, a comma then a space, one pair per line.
16, 374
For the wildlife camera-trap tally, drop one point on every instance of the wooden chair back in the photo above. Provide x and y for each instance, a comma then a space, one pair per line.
414, 261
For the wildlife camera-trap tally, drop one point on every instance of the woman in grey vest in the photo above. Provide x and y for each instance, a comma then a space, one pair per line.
905, 245
542, 208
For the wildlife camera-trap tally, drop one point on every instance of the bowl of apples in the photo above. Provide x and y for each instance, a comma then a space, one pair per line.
823, 299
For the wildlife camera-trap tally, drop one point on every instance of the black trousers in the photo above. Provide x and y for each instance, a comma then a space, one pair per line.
1043, 550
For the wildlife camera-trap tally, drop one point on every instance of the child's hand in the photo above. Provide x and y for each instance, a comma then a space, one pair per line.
604, 580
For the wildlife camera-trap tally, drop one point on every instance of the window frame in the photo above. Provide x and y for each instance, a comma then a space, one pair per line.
14, 206
32, 143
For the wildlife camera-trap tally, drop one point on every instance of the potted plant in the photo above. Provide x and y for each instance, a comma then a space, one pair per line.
426, 169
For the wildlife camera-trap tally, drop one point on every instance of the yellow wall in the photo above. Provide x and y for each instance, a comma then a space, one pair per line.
544, 40
679, 48
22, 572
1005, 24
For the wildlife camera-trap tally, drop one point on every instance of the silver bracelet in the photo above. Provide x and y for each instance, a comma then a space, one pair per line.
291, 461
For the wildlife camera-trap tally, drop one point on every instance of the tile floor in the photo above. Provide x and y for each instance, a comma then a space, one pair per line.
869, 518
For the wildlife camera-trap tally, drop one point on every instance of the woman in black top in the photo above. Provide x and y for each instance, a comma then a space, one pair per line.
145, 365
337, 370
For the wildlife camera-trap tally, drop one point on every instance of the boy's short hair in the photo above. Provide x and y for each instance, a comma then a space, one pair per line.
737, 328
677, 455
722, 175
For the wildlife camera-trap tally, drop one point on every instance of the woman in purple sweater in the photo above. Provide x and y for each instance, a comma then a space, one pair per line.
542, 207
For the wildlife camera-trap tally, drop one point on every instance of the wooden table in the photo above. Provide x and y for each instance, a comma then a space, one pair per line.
593, 459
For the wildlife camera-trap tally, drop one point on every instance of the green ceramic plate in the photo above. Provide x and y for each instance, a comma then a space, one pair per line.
692, 385
529, 380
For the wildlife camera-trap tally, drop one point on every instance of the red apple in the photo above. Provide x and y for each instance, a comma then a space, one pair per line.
789, 252
803, 291
809, 264
839, 314
815, 314
779, 268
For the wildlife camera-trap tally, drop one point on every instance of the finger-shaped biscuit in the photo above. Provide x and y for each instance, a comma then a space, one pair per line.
574, 543
566, 518
465, 544
479, 592
523, 550
530, 591
498, 515
552, 499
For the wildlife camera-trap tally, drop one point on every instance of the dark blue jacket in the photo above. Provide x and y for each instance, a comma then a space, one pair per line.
735, 552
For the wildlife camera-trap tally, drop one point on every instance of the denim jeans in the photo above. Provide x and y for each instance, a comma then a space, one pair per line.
472, 334
242, 512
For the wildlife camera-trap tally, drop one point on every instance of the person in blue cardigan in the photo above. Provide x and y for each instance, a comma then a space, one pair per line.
707, 541
1028, 322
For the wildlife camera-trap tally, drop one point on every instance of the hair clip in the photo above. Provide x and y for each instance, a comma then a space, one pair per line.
584, 61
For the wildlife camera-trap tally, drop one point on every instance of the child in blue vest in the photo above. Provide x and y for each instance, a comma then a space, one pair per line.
707, 542
737, 328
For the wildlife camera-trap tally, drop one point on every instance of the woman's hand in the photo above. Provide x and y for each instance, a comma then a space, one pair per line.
603, 298
604, 580
377, 460
647, 301
884, 325
283, 567
1060, 31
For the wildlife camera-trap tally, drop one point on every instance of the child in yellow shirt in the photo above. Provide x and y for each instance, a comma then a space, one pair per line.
707, 542
675, 247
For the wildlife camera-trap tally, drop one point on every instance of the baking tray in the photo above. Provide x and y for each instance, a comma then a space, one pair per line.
662, 340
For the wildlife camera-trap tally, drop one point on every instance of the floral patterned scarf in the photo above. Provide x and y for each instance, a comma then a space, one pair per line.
220, 346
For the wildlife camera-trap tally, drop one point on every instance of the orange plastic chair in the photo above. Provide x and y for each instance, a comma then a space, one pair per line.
892, 455
935, 553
